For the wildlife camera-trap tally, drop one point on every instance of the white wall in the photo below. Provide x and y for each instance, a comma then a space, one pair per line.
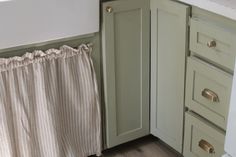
25, 22
230, 145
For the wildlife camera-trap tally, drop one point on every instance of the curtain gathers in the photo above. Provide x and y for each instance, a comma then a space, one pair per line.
49, 104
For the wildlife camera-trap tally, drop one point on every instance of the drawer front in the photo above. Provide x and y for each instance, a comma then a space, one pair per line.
202, 139
208, 91
213, 43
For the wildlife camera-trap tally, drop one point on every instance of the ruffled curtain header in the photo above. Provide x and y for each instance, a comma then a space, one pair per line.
39, 56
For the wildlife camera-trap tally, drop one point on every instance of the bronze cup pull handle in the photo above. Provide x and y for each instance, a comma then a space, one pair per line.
210, 95
206, 146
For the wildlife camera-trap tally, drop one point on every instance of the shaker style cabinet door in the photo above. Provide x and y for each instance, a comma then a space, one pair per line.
125, 42
169, 23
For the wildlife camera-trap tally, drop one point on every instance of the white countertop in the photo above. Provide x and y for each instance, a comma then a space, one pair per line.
225, 8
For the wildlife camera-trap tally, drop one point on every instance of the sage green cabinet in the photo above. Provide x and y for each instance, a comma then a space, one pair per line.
169, 31
125, 42
202, 139
208, 91
204, 33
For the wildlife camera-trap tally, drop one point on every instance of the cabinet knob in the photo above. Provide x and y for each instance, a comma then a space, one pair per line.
206, 146
211, 44
210, 95
109, 9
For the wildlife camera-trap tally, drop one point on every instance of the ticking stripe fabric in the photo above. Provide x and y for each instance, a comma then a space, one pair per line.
49, 104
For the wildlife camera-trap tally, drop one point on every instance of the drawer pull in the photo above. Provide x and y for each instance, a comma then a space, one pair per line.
206, 146
109, 9
211, 44
210, 95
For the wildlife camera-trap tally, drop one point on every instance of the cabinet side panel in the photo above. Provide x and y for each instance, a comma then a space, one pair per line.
169, 42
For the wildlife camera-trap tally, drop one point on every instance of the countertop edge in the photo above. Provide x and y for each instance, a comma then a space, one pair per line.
213, 7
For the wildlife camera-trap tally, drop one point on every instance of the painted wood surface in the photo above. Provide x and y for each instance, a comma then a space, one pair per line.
168, 53
196, 130
202, 32
126, 70
201, 76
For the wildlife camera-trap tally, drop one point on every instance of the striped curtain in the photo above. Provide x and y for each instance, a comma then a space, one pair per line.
49, 104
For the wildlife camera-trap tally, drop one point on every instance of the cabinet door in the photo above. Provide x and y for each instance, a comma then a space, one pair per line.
168, 55
126, 69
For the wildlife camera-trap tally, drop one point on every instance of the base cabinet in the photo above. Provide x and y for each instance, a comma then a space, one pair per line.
129, 82
169, 31
208, 83
125, 42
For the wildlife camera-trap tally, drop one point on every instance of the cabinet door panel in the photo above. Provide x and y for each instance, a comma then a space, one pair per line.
168, 56
126, 69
